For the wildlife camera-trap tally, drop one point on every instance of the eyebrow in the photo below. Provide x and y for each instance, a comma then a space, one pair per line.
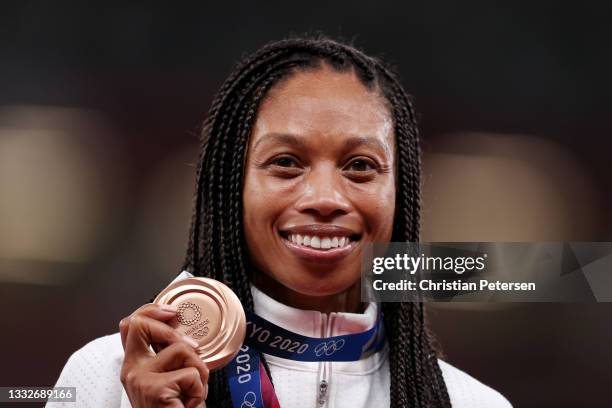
357, 141
280, 138
351, 142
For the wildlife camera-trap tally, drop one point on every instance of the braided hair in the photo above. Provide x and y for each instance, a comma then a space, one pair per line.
217, 248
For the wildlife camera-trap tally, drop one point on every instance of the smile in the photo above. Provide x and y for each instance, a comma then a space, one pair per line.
318, 242
321, 245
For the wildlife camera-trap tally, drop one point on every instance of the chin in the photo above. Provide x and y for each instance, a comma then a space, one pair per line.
321, 286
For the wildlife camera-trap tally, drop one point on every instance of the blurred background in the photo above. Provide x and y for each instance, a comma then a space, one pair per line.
99, 113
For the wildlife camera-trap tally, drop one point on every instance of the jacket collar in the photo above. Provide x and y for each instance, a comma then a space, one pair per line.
312, 323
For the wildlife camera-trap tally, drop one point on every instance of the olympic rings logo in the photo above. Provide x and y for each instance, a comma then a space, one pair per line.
328, 348
188, 313
249, 400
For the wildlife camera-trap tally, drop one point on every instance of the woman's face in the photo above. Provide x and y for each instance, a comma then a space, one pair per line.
319, 181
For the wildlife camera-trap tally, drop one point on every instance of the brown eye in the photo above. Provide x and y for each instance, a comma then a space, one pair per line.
285, 166
284, 161
360, 165
360, 169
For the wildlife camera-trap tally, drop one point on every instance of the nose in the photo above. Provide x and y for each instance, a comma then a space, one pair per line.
323, 194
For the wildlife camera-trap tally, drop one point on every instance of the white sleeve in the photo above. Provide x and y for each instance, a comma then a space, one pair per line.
94, 371
467, 392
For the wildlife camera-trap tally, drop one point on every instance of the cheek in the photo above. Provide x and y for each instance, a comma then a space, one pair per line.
254, 209
378, 208
263, 203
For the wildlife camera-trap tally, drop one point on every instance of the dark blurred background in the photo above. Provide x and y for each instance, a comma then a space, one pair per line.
99, 112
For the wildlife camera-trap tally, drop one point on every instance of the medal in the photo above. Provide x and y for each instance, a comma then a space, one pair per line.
211, 314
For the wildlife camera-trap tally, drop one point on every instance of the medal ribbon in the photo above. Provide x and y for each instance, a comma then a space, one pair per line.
246, 377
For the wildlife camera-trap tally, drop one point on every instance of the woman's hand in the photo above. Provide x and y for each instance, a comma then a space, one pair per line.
174, 377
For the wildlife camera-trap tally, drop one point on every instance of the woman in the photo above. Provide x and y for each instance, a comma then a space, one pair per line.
310, 149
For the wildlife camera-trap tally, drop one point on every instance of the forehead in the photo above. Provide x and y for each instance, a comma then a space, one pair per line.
326, 104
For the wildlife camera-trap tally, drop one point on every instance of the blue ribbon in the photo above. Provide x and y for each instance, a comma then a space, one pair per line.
272, 339
266, 337
244, 379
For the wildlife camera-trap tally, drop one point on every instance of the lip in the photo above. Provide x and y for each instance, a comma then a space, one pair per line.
319, 229
313, 255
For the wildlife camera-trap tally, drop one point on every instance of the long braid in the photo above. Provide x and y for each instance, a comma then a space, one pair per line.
409, 158
216, 246
233, 81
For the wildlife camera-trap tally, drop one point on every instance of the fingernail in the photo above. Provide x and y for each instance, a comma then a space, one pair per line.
168, 308
190, 341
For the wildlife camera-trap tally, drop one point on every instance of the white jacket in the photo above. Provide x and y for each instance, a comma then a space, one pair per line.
94, 369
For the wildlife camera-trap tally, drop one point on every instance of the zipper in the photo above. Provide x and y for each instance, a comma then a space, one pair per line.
324, 375
322, 397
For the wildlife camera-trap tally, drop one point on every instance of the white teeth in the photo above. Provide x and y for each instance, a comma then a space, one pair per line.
326, 243
314, 241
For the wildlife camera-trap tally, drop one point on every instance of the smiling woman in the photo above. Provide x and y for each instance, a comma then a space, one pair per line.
310, 150
319, 182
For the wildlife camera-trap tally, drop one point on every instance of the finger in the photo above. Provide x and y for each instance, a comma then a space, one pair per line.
123, 330
188, 382
179, 355
195, 403
144, 331
158, 312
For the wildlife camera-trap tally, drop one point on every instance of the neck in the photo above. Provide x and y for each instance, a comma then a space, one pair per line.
348, 301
